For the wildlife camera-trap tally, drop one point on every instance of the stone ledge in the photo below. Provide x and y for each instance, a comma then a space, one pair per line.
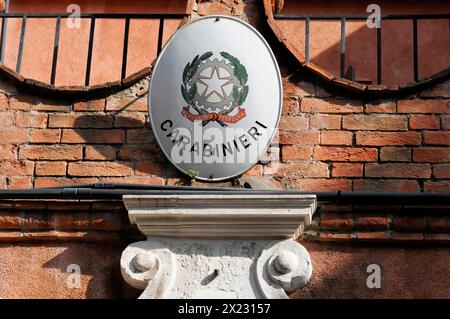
221, 216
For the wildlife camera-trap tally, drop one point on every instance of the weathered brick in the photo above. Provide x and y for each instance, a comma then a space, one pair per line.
126, 103
408, 223
294, 152
406, 236
374, 123
436, 138
387, 138
403, 170
22, 105
437, 187
10, 220
336, 138
140, 136
40, 182
321, 184
80, 121
27, 120
336, 221
51, 152
7, 119
299, 137
346, 170
325, 121
16, 168
68, 206
41, 221
441, 171
293, 123
100, 152
423, 122
345, 154
93, 136
45, 136
13, 135
209, 8
330, 106
395, 154
144, 168
8, 152
28, 104
303, 169
255, 171
422, 106
443, 238
445, 120
73, 221
96, 169
90, 106
290, 106
136, 152
51, 168
386, 185
130, 120
372, 236
19, 182
438, 224
295, 90
4, 102
381, 107
370, 222
431, 155
439, 90
335, 236
142, 180
2, 182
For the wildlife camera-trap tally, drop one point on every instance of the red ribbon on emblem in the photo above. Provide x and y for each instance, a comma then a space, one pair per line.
205, 117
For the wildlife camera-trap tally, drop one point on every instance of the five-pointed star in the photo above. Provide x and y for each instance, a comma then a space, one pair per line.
214, 84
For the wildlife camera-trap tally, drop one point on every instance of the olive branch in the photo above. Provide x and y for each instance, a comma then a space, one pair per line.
188, 72
240, 72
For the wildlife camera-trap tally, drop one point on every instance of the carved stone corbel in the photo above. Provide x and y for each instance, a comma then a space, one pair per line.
218, 246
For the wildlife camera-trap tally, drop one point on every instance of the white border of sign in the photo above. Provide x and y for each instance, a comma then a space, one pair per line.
280, 104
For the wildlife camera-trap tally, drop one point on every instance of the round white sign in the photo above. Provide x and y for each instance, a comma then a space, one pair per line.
215, 98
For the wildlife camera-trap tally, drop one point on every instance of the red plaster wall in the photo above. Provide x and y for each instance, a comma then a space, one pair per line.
108, 43
40, 271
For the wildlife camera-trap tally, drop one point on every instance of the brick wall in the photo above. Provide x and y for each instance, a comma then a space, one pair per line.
380, 223
335, 143
327, 142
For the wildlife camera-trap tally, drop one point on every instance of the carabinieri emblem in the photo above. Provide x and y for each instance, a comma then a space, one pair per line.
215, 89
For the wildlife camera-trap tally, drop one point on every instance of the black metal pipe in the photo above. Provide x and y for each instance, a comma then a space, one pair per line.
117, 191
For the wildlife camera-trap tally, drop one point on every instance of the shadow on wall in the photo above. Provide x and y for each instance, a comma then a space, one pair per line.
100, 271
340, 271
123, 137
